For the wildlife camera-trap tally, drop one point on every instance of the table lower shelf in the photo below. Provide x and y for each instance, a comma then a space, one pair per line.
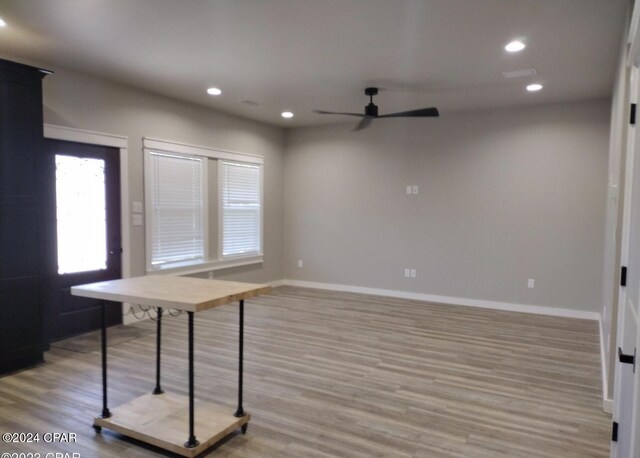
163, 420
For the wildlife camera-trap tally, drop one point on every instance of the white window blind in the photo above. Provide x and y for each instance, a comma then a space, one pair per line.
177, 209
240, 208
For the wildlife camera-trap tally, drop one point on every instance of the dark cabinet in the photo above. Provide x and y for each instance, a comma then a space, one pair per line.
21, 214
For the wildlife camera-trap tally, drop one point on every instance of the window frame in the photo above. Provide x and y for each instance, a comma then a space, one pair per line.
211, 262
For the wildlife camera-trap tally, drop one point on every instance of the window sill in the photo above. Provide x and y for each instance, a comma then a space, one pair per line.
208, 266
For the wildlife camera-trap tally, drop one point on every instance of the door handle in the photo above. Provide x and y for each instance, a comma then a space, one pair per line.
627, 359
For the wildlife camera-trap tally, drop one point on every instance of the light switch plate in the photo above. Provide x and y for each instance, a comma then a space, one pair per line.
408, 189
413, 273
415, 189
137, 220
136, 207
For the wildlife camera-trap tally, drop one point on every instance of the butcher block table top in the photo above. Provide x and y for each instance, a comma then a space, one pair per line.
180, 293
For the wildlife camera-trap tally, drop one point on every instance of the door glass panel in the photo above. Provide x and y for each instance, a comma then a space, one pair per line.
81, 214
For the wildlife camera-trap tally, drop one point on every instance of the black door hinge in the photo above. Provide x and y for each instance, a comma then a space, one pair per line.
623, 276
627, 359
632, 115
614, 432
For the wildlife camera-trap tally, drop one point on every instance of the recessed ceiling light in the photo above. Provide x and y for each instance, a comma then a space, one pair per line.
534, 87
214, 91
2, 23
287, 114
515, 46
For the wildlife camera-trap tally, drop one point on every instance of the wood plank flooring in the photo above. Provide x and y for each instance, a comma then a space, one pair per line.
343, 375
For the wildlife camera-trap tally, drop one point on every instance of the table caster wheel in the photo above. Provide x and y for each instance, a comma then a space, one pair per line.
244, 428
97, 428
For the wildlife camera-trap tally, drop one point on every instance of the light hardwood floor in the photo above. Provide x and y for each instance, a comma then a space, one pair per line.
338, 374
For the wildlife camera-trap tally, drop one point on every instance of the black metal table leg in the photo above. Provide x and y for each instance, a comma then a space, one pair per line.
158, 389
192, 442
105, 409
240, 411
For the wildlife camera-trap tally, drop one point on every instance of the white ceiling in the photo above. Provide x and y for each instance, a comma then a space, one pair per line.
301, 55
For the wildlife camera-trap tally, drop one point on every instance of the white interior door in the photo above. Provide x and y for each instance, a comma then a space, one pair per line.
626, 394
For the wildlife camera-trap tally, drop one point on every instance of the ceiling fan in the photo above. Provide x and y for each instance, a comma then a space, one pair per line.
371, 112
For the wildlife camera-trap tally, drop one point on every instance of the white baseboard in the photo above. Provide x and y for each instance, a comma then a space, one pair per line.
276, 283
536, 309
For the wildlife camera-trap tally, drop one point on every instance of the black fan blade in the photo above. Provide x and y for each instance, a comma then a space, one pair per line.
360, 115
366, 122
420, 113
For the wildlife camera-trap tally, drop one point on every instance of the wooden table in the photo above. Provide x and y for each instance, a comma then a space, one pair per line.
167, 419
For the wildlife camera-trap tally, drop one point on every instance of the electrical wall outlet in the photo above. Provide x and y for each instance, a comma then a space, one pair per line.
300, 263
415, 189
410, 273
531, 283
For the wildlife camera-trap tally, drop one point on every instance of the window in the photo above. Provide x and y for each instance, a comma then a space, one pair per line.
240, 208
203, 208
177, 209
81, 214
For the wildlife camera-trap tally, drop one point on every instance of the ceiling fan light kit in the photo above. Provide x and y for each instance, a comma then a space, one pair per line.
371, 112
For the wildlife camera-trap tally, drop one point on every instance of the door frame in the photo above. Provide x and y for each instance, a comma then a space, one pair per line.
631, 191
120, 142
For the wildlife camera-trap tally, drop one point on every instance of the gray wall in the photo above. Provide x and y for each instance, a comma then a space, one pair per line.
504, 196
80, 101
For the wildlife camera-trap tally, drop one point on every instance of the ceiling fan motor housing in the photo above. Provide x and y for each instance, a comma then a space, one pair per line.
371, 110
